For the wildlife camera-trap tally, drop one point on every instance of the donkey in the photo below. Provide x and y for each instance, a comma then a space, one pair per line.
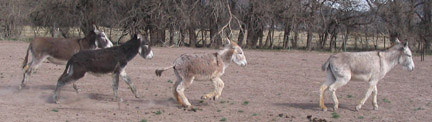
59, 50
190, 67
369, 66
103, 61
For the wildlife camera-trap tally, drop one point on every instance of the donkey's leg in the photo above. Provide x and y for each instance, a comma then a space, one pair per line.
340, 81
128, 81
180, 90
64, 79
219, 85
60, 83
368, 93
76, 88
324, 87
28, 70
176, 84
115, 85
374, 98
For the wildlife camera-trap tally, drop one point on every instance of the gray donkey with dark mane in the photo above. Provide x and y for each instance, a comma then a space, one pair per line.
104, 61
59, 50
369, 66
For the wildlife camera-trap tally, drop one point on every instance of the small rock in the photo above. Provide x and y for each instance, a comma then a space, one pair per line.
280, 115
309, 117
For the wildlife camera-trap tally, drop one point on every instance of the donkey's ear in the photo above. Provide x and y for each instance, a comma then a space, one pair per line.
406, 44
397, 41
135, 36
228, 42
96, 31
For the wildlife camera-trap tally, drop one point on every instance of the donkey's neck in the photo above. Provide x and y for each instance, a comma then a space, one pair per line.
130, 49
87, 42
226, 55
390, 59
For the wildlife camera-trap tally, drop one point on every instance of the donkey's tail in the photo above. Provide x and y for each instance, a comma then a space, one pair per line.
160, 70
326, 65
25, 66
69, 69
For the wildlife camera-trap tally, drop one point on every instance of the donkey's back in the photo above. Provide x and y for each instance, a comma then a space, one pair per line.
59, 48
355, 63
201, 66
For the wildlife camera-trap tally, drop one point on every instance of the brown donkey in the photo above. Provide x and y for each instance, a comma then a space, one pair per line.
190, 67
59, 50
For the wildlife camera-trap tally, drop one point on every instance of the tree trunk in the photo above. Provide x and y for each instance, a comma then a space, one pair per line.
252, 37
295, 40
268, 39
192, 37
333, 42
171, 35
287, 32
355, 43
344, 45
268, 43
181, 37
309, 39
241, 35
215, 38
157, 36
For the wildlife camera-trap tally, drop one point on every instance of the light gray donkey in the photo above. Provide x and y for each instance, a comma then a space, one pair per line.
369, 66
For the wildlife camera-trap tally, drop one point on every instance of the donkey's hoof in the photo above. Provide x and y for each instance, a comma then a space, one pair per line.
78, 91
216, 97
185, 107
375, 108
21, 86
205, 97
358, 108
335, 108
56, 101
324, 109
194, 109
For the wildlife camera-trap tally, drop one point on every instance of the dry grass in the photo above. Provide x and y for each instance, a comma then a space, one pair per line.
114, 34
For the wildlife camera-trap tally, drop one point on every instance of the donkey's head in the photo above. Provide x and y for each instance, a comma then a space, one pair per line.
238, 56
405, 58
144, 49
101, 40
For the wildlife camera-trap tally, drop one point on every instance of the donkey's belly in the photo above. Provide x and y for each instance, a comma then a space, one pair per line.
361, 77
100, 74
202, 77
57, 61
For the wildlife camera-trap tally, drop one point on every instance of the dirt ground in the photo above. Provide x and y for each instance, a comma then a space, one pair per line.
274, 86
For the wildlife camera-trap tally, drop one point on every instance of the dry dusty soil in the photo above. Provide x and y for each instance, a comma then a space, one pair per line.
274, 86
